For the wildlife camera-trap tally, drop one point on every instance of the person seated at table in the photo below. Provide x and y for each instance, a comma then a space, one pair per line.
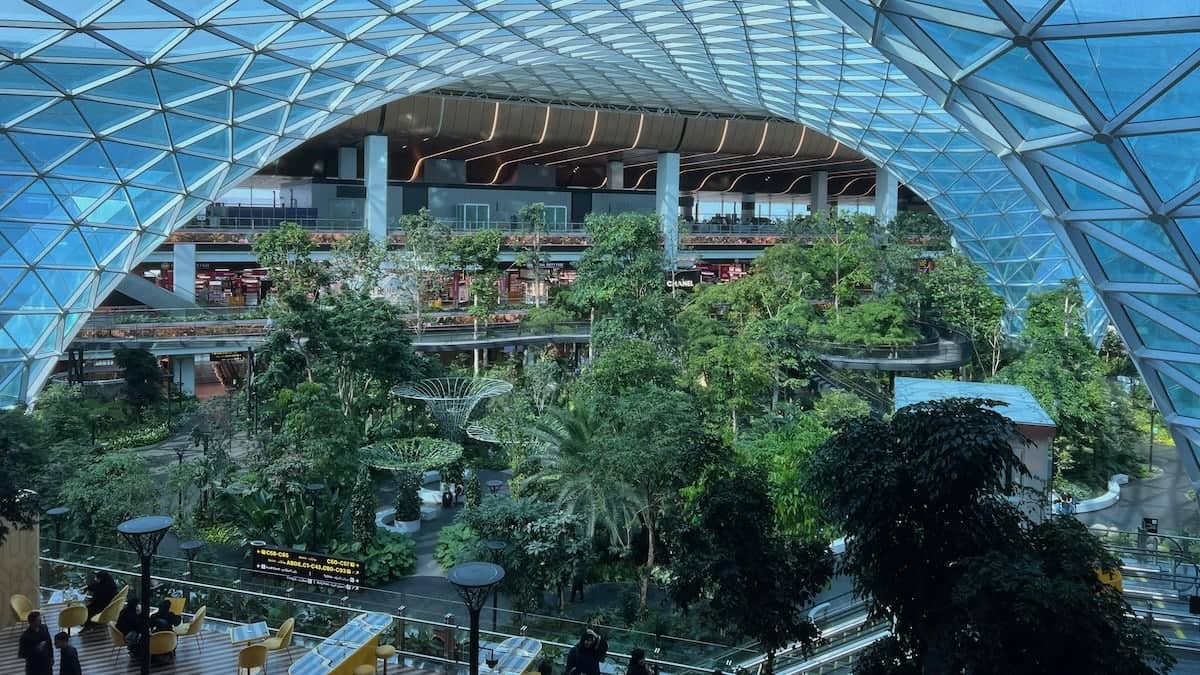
638, 665
68, 661
130, 624
164, 619
585, 657
102, 591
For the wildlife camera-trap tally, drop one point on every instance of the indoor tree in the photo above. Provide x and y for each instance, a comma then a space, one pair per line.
532, 219
939, 551
726, 549
427, 243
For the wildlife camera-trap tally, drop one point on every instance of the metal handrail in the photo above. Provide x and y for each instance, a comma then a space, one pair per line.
111, 555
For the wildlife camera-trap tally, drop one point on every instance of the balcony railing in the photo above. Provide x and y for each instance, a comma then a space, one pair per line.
236, 593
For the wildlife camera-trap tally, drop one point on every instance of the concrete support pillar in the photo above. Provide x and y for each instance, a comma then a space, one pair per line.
348, 163
820, 192
666, 198
183, 258
747, 207
19, 568
616, 175
887, 195
184, 373
375, 171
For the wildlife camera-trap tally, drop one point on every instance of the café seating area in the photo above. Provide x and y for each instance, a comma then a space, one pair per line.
212, 654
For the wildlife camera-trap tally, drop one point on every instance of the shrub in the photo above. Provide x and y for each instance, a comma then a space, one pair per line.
138, 437
408, 498
362, 508
391, 555
455, 544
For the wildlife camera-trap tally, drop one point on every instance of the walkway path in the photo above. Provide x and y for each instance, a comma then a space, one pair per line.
1167, 496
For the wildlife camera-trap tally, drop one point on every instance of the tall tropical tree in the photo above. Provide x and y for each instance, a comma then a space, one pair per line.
569, 471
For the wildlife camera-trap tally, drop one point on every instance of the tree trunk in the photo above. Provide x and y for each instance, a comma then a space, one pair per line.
649, 560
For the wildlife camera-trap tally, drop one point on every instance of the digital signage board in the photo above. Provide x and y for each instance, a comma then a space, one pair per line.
308, 567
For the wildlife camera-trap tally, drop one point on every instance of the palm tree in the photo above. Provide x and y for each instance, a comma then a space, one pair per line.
569, 469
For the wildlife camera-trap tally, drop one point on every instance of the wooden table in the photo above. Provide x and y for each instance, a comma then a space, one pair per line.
517, 655
350, 646
241, 635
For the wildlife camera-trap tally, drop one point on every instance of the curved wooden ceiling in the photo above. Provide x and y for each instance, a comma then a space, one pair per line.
493, 137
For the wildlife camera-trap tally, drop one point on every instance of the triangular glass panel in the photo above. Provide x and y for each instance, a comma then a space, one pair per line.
75, 77
71, 324
45, 149
89, 163
30, 294
9, 276
18, 41
137, 87
28, 329
77, 196
1144, 234
267, 66
147, 244
10, 254
963, 46
1174, 103
70, 251
223, 68
195, 169
136, 11
201, 43
30, 240
104, 116
184, 128
1159, 157
58, 117
1094, 158
163, 175
252, 33
174, 87
145, 42
81, 47
284, 87
1143, 60
35, 202
1081, 197
104, 241
129, 159
1019, 71
17, 79
147, 203
1186, 401
1119, 267
215, 106
13, 107
151, 131
216, 145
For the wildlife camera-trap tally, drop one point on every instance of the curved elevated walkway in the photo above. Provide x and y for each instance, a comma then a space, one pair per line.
940, 353
243, 335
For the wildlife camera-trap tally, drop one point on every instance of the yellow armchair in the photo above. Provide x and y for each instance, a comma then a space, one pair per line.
282, 639
192, 628
21, 607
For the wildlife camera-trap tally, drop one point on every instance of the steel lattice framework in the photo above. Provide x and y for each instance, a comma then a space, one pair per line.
1053, 136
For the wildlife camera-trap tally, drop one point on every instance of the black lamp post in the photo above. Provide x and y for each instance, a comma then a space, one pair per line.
314, 489
56, 514
144, 534
190, 549
495, 547
474, 580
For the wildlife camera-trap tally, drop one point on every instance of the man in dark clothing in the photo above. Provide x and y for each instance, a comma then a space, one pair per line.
102, 589
585, 657
164, 619
68, 662
35, 647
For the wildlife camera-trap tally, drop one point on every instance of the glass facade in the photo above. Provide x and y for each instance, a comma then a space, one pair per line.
1053, 136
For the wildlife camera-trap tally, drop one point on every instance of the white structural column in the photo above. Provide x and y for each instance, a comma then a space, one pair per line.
184, 368
375, 171
747, 207
183, 270
887, 195
348, 163
820, 192
666, 199
616, 175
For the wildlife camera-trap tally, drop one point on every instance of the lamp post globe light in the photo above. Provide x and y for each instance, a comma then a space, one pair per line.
144, 534
474, 580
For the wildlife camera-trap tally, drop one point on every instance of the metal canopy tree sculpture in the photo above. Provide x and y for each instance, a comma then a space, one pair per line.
452, 399
408, 458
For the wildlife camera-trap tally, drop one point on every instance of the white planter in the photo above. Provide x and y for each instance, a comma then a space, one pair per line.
386, 520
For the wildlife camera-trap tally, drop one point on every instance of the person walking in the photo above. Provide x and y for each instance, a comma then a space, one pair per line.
638, 665
35, 647
68, 656
585, 657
